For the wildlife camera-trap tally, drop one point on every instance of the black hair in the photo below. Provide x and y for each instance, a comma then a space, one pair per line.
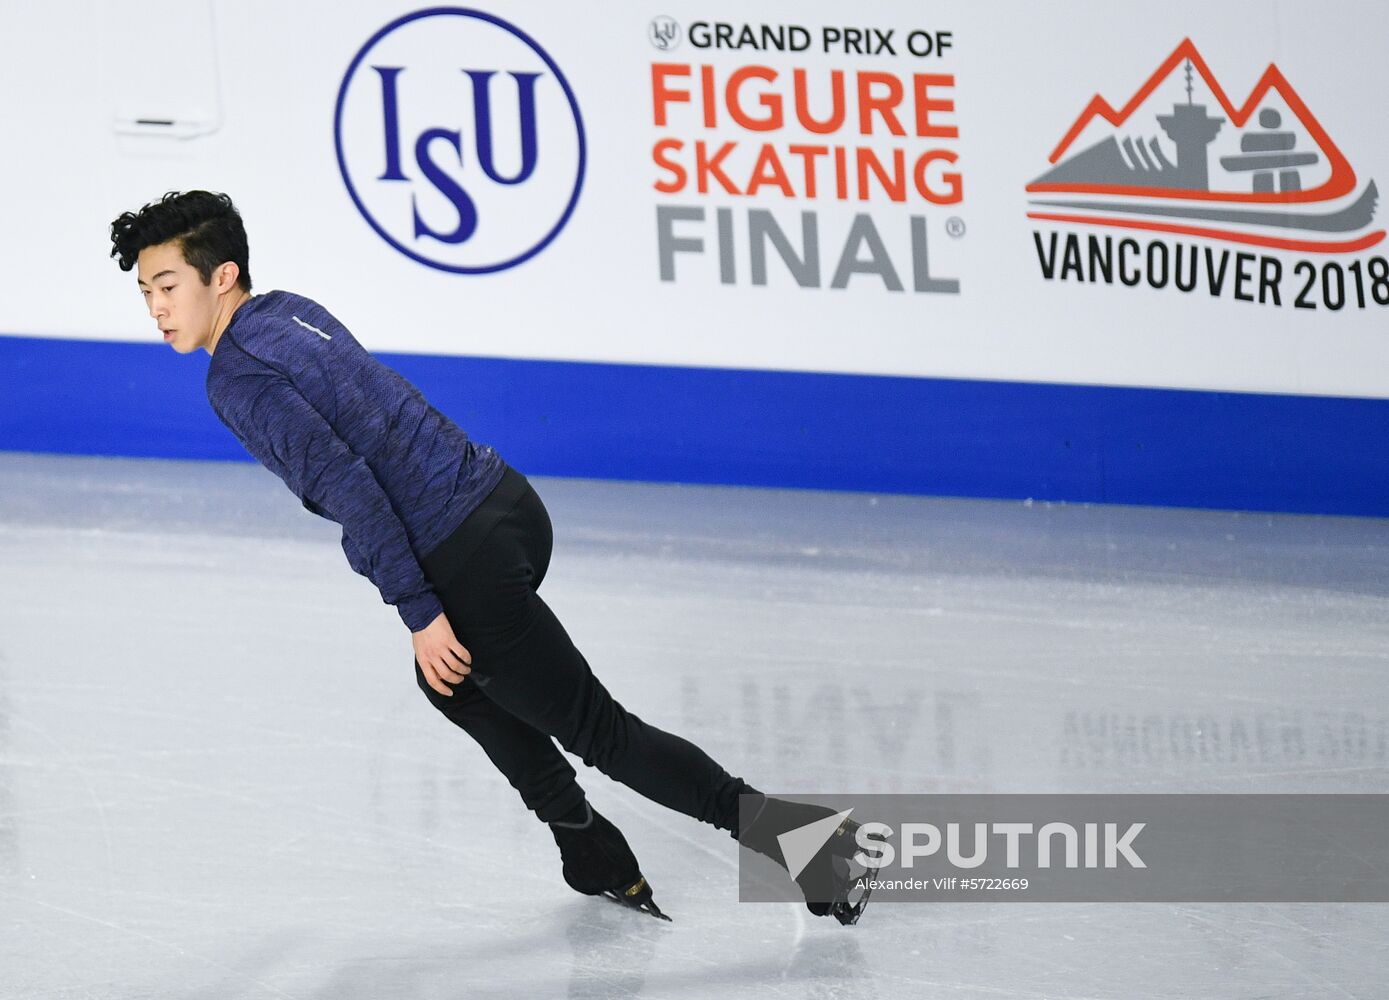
207, 227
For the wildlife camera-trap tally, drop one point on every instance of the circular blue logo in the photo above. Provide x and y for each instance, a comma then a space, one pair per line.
459, 140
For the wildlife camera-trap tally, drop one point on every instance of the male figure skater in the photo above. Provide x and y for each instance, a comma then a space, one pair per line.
452, 536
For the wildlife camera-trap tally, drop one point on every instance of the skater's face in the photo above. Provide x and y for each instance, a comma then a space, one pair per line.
186, 309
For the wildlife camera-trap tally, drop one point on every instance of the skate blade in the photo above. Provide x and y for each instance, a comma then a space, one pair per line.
848, 913
637, 896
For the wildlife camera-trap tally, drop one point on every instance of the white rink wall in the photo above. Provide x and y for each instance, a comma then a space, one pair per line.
258, 83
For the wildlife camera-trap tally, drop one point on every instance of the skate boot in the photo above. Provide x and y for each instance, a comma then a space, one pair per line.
831, 881
598, 862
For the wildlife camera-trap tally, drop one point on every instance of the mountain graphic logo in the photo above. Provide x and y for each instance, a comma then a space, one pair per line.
800, 845
1180, 157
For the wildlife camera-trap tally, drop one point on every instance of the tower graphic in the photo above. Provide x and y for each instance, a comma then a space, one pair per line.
1191, 129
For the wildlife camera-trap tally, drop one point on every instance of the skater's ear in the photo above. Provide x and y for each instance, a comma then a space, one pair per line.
226, 276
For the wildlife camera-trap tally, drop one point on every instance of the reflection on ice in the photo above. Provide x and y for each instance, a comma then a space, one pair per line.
218, 775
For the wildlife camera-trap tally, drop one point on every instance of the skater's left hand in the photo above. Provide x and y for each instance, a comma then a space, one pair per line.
441, 656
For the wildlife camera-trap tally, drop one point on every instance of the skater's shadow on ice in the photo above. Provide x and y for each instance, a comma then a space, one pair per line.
612, 952
613, 949
824, 961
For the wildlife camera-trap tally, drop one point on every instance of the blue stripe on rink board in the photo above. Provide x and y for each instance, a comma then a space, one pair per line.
951, 437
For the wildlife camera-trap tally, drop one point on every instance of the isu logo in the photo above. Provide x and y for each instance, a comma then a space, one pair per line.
459, 140
1180, 157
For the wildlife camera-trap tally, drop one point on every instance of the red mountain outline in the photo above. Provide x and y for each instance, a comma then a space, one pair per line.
1342, 179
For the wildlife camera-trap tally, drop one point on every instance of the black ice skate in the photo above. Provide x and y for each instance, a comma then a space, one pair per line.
848, 891
832, 882
598, 862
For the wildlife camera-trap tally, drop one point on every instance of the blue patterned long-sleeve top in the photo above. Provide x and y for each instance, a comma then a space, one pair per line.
353, 440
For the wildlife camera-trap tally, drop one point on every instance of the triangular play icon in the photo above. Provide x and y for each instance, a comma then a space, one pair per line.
798, 846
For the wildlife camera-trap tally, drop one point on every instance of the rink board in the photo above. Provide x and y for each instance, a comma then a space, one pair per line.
952, 437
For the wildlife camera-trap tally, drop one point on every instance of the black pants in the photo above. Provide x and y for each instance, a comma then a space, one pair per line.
529, 683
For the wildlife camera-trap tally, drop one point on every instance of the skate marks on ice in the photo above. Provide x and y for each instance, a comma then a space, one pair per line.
290, 820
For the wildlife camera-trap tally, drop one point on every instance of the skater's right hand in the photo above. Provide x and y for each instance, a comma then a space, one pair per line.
440, 655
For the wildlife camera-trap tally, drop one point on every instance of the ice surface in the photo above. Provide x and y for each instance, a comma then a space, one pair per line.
218, 778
